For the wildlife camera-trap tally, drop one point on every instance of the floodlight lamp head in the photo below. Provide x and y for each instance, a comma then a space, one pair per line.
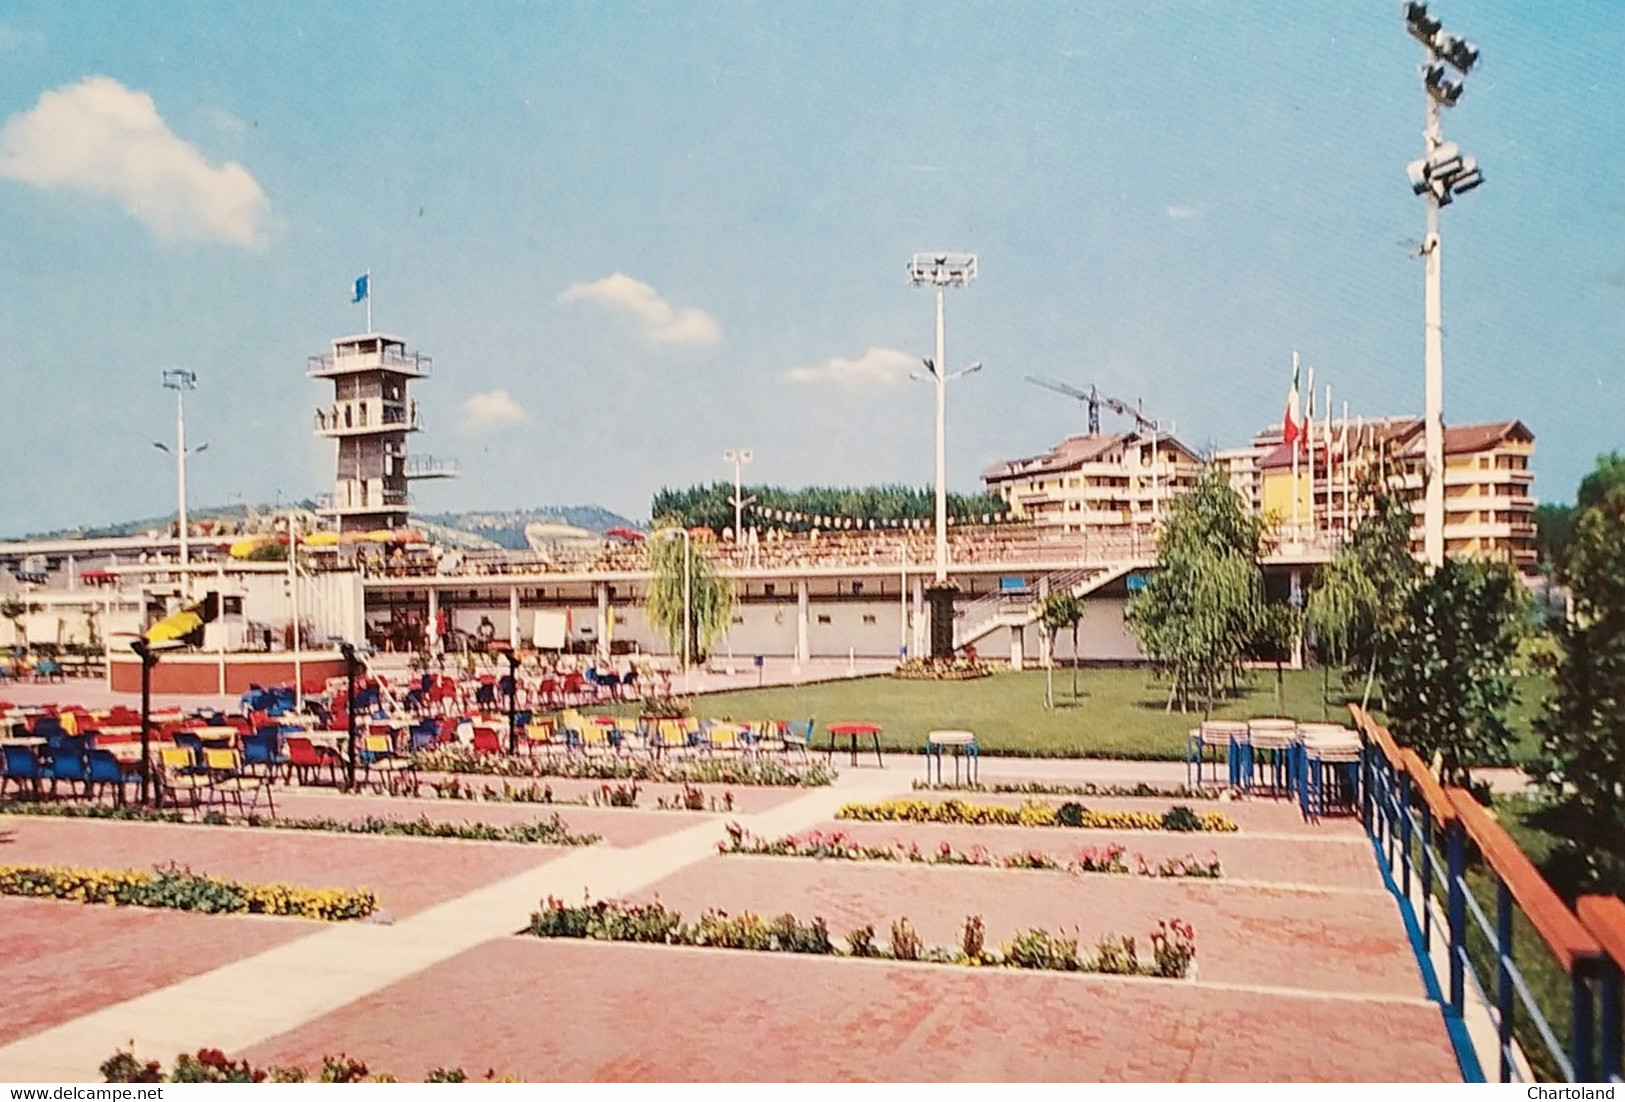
1456, 50
177, 379
942, 269
1444, 90
1418, 22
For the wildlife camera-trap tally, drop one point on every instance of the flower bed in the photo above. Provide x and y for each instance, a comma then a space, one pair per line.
1110, 791
1177, 818
210, 1065
1173, 942
171, 886
743, 771
839, 846
550, 832
938, 669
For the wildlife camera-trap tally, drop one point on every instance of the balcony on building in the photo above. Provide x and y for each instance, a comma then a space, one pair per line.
367, 415
370, 352
429, 466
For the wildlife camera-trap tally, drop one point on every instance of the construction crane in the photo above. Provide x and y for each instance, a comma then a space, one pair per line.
1094, 400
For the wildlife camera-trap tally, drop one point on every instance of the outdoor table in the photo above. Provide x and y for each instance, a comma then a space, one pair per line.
962, 743
855, 731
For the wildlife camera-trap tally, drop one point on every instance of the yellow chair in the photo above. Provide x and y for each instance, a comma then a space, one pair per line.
376, 754
541, 734
226, 779
726, 738
178, 779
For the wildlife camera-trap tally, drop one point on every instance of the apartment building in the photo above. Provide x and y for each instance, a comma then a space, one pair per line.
1487, 481
1101, 481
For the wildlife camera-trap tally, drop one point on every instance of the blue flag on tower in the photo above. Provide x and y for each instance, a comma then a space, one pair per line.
361, 282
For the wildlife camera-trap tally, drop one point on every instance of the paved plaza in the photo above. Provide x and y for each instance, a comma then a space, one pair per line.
1304, 971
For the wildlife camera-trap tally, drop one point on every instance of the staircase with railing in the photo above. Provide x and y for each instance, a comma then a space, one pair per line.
1018, 609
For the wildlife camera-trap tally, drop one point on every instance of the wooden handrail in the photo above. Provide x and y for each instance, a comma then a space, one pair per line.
1603, 916
1428, 785
1562, 932
1377, 734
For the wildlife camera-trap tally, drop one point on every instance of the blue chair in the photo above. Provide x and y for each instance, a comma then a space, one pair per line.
103, 769
425, 733
262, 750
21, 765
68, 764
47, 727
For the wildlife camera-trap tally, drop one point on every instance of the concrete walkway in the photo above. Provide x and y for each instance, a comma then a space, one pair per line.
251, 1000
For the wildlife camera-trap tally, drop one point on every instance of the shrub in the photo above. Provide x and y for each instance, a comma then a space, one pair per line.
1179, 817
619, 795
1116, 956
1041, 949
973, 940
1069, 814
905, 943
860, 942
1173, 947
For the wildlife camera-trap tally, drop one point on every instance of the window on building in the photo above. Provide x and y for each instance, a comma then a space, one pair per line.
857, 589
869, 618
823, 618
769, 589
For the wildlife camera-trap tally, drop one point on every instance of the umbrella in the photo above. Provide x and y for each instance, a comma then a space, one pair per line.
175, 627
321, 539
620, 532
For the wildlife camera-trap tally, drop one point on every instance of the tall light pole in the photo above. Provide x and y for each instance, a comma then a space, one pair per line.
739, 457
1438, 177
180, 382
688, 588
941, 271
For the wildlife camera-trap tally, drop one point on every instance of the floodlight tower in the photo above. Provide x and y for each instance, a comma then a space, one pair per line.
941, 271
1438, 177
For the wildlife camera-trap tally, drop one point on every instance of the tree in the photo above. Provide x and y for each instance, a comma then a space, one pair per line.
1447, 676
1060, 609
1276, 631
1355, 606
1582, 730
710, 596
1198, 612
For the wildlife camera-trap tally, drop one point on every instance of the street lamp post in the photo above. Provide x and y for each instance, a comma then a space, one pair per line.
149, 659
739, 457
352, 663
941, 271
688, 589
180, 382
1438, 177
512, 687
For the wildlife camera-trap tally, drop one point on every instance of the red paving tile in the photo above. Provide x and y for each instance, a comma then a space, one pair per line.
1316, 941
554, 1010
408, 874
63, 960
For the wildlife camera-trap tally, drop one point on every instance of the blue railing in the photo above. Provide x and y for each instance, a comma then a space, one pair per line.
1423, 832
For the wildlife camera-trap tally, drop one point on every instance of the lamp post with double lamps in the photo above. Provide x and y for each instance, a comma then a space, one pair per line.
180, 382
941, 271
739, 457
1439, 176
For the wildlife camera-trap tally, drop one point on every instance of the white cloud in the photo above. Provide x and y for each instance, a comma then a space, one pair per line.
661, 322
876, 367
100, 137
490, 412
1180, 213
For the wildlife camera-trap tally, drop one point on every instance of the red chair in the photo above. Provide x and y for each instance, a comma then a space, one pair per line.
307, 759
487, 741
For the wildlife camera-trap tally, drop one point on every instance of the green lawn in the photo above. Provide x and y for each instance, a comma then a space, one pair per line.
1119, 713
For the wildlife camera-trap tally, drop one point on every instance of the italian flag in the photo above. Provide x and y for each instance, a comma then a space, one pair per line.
1290, 428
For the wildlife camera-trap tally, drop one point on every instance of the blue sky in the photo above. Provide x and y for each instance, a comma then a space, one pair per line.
633, 236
